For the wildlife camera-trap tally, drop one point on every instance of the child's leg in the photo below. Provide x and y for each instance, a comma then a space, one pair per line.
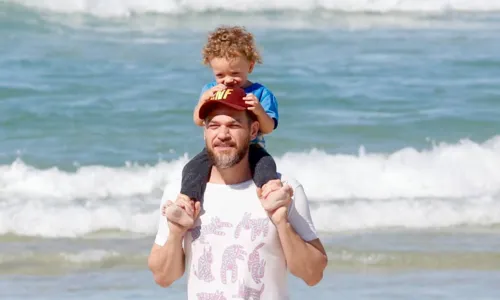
194, 181
195, 176
262, 165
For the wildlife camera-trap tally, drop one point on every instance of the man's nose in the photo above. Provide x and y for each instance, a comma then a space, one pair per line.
223, 133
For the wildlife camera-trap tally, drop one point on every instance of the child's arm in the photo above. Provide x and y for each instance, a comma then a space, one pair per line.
205, 96
266, 111
266, 123
196, 118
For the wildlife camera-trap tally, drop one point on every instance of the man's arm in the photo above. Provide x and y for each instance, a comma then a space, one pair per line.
306, 260
305, 255
167, 258
167, 262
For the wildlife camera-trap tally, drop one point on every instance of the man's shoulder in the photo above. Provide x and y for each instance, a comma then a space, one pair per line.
291, 181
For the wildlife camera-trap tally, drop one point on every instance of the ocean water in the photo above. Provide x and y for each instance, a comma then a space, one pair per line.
390, 117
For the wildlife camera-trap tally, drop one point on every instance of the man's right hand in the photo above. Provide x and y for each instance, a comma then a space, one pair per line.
181, 214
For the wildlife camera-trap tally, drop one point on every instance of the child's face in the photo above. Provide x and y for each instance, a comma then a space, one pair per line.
231, 72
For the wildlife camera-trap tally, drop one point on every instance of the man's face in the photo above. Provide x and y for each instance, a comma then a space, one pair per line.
228, 133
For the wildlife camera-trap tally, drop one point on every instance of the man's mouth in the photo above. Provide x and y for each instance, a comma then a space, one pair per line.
223, 146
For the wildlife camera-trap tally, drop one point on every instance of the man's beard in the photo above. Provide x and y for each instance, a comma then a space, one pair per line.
225, 160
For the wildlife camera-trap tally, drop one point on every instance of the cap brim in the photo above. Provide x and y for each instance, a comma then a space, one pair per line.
206, 108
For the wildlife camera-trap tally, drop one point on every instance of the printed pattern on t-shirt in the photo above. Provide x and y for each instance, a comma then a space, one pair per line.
218, 295
215, 227
255, 266
229, 263
205, 266
229, 272
248, 293
256, 226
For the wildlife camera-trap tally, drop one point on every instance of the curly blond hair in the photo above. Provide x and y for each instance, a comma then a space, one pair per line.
230, 42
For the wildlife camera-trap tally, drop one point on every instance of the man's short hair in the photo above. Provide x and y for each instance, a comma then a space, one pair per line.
251, 117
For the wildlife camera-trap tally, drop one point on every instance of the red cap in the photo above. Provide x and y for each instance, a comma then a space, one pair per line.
232, 97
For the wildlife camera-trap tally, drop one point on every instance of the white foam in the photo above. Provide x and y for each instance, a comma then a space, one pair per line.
446, 185
90, 182
128, 7
89, 256
408, 213
462, 170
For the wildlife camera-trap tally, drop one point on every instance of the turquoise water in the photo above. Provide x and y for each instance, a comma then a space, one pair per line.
389, 117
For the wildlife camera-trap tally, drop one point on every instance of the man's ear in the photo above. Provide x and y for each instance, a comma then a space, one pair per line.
254, 129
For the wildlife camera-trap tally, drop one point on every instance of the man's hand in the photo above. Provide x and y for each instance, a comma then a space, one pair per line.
254, 104
181, 214
275, 199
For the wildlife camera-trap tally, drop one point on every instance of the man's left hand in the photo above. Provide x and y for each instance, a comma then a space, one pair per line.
275, 199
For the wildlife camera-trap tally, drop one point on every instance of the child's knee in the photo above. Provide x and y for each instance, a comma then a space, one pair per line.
188, 168
266, 163
192, 166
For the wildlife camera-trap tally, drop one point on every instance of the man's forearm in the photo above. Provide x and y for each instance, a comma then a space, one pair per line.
303, 259
167, 262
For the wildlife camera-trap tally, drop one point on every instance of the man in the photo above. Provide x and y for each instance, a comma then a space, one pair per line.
239, 245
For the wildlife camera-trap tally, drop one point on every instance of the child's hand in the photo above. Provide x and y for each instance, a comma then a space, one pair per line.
254, 104
211, 91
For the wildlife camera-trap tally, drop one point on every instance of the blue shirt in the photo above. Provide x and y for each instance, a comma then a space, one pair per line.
266, 99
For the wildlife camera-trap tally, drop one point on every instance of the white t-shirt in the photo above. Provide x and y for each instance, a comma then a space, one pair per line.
233, 250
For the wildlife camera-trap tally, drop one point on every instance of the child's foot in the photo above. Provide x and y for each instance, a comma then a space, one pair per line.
180, 212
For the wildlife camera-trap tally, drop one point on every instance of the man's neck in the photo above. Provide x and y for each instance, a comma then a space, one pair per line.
234, 175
